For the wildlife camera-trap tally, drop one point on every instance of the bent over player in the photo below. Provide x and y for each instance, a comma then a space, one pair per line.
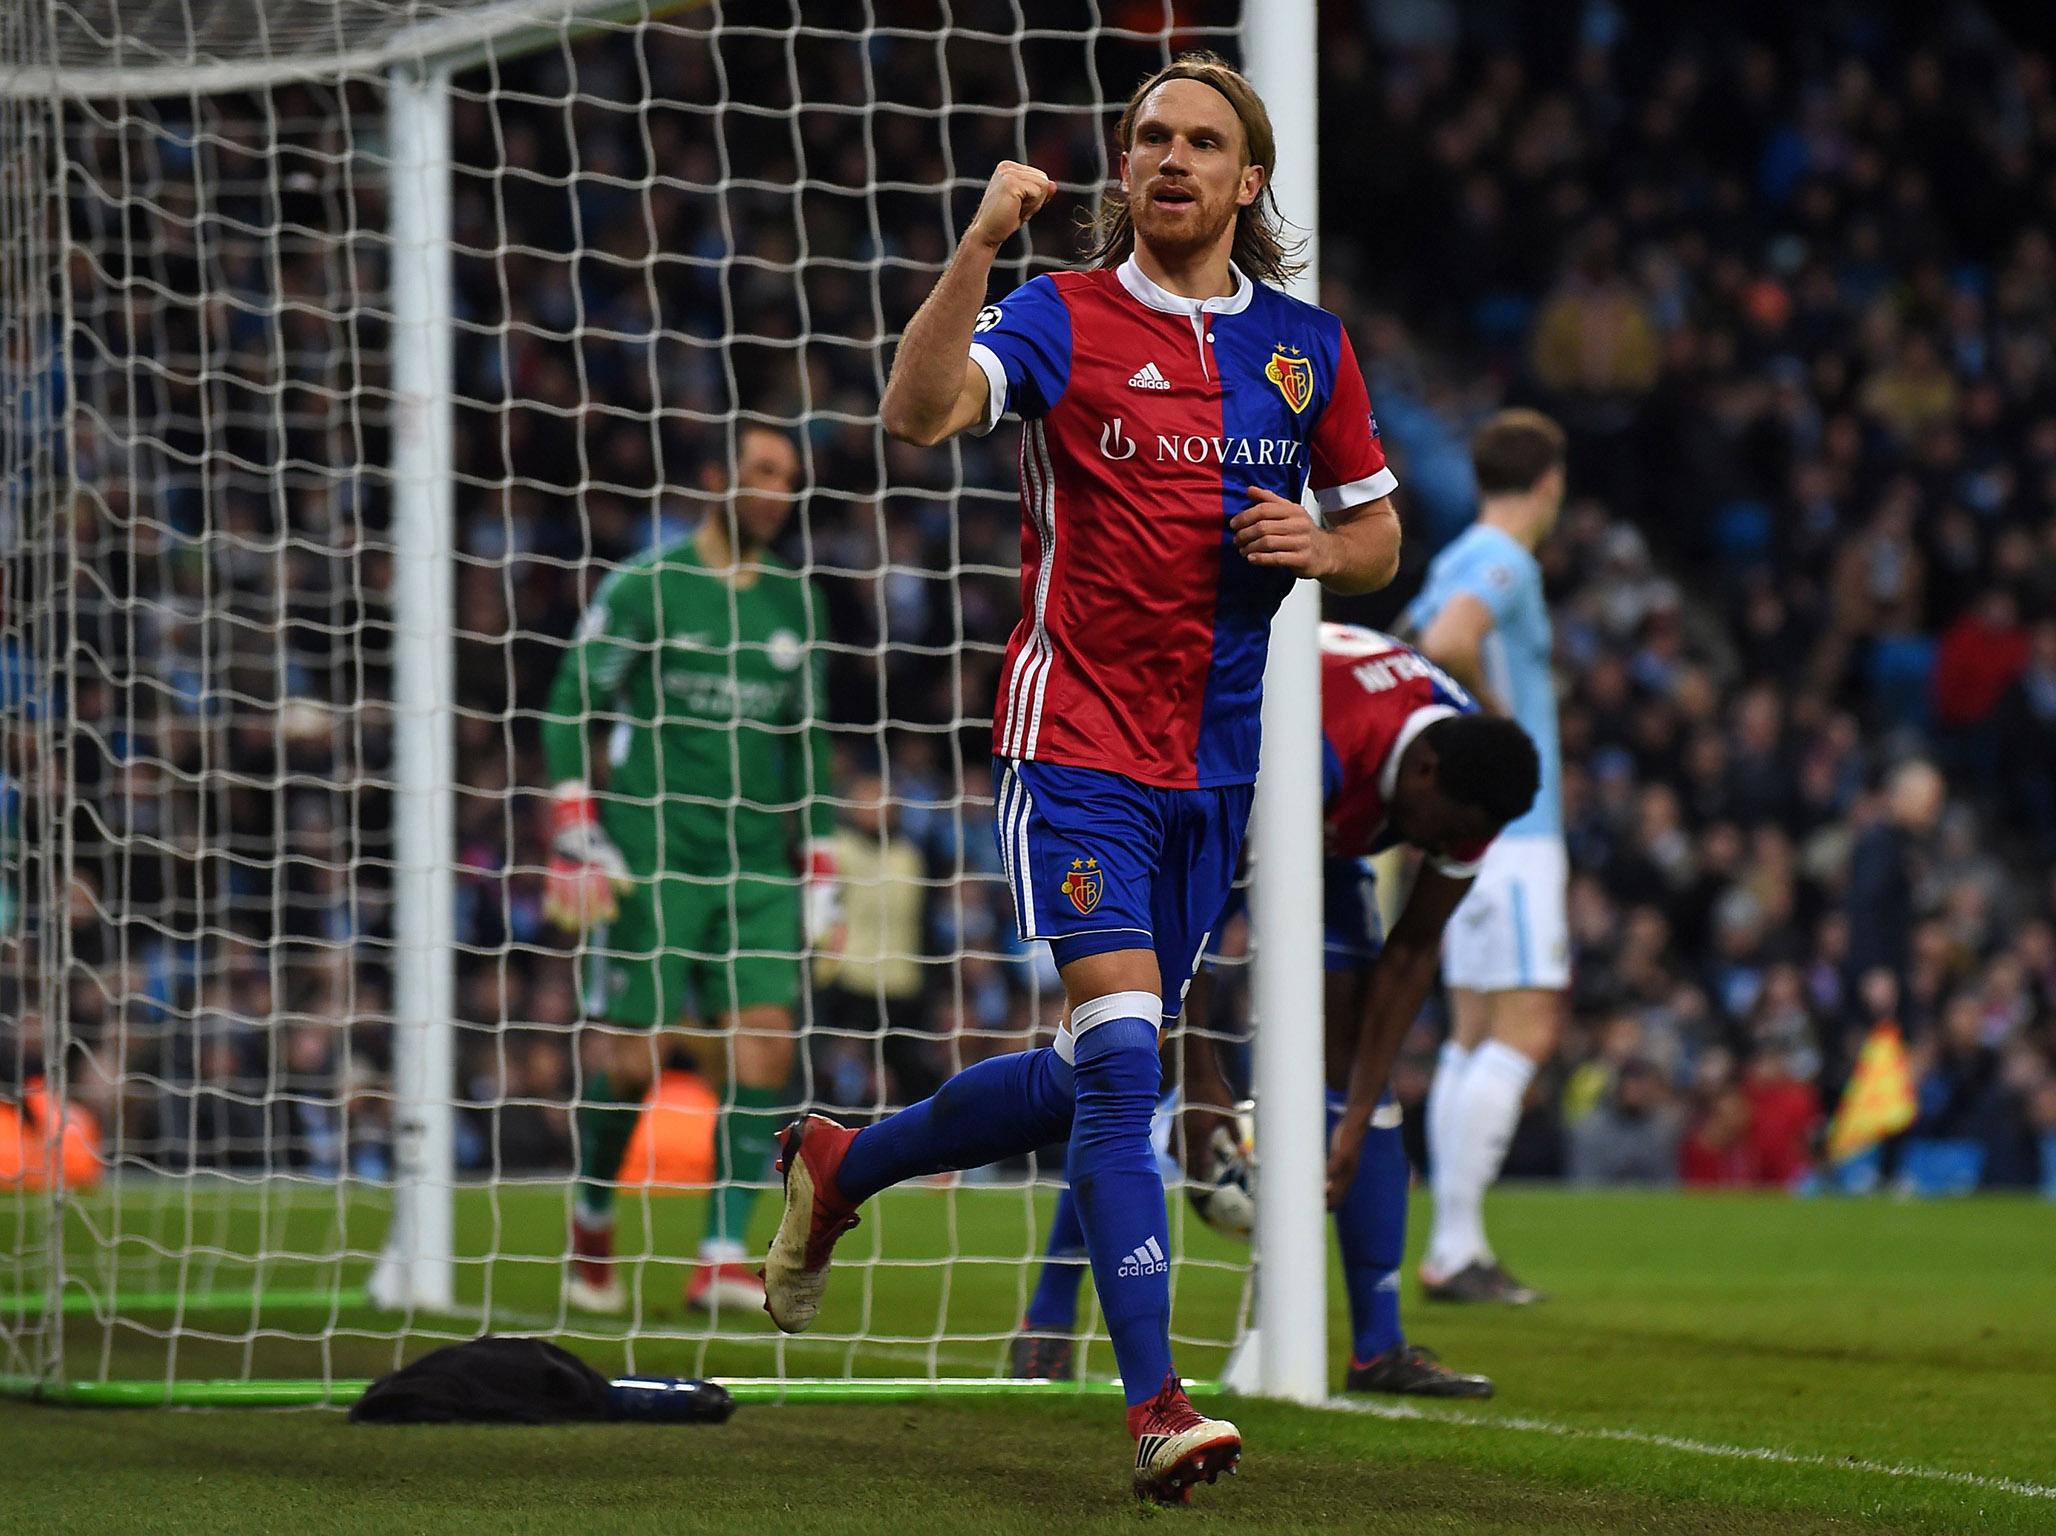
694, 668
1406, 757
1177, 406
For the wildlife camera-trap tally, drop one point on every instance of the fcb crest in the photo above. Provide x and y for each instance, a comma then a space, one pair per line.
1084, 884
1293, 372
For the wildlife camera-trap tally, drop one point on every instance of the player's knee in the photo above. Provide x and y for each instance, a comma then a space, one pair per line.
1119, 1055
1118, 1075
1471, 1017
1530, 1022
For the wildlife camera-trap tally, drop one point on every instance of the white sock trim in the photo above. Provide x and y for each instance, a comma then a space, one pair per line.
1096, 1011
1498, 1059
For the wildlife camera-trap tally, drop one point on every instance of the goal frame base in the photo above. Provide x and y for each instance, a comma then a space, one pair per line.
286, 1393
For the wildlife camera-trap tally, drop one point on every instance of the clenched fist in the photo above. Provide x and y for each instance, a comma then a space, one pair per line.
1274, 531
1013, 197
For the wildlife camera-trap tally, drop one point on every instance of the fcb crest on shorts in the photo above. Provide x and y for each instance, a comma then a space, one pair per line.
1083, 885
1293, 372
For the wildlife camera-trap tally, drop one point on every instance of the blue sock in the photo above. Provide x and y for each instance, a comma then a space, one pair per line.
1371, 1226
1054, 1306
1120, 1193
1000, 1108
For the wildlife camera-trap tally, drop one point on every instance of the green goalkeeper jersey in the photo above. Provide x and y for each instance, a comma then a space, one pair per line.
710, 692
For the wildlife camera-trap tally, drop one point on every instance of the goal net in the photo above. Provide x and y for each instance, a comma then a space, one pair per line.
349, 347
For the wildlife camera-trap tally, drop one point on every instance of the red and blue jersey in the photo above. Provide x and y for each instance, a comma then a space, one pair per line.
1377, 695
1149, 416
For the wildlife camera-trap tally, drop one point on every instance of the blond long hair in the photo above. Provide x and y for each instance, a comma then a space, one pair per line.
1262, 249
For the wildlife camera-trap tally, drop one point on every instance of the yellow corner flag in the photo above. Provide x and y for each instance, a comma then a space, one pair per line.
1879, 1099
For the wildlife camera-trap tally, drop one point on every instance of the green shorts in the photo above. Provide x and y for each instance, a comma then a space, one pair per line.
699, 948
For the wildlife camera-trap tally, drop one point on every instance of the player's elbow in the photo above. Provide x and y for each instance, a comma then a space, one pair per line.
909, 421
922, 432
1384, 570
1413, 952
1370, 541
1385, 564
1373, 569
904, 425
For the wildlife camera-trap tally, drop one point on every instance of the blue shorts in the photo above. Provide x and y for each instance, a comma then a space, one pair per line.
1098, 862
1352, 932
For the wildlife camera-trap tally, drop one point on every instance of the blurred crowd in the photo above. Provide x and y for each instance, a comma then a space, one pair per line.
1788, 284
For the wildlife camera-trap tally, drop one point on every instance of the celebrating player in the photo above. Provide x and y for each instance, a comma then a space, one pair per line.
1177, 407
1406, 758
693, 664
1481, 617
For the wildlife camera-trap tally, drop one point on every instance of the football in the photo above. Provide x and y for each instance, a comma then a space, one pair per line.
1223, 1198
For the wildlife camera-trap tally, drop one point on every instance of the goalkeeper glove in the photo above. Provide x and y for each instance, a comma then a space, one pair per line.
824, 899
586, 869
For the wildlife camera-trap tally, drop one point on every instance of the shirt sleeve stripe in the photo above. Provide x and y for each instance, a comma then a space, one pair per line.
1356, 493
995, 386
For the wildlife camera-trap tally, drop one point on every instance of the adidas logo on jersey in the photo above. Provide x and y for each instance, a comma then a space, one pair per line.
1147, 1260
1148, 376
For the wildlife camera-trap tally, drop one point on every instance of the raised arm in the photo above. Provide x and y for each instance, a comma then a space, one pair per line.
936, 391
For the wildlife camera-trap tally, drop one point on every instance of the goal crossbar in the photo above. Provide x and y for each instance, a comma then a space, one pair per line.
116, 48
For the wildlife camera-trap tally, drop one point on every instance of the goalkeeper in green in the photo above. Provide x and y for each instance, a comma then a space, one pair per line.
682, 740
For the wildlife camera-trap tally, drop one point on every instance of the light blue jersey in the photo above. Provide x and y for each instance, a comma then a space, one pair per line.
1503, 574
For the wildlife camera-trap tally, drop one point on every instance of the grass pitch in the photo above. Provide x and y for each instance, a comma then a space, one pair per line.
1705, 1364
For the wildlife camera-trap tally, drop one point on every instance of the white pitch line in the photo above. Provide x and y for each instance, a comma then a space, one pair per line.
1699, 1447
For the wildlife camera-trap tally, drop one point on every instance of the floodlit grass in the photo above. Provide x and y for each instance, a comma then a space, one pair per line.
1898, 1362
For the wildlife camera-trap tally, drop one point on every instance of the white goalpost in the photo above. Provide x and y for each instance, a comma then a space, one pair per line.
1291, 1356
414, 1269
348, 345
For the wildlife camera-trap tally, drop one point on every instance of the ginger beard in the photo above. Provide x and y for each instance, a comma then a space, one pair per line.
1176, 217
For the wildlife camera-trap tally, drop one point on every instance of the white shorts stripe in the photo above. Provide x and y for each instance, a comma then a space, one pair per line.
1010, 827
1002, 817
1023, 863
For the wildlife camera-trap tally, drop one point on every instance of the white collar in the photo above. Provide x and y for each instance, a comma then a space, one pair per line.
1158, 297
1417, 722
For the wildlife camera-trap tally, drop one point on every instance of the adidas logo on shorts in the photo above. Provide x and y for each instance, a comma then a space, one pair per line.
1148, 376
1147, 1260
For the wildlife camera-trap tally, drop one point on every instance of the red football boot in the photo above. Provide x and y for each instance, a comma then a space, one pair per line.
1176, 1447
796, 1272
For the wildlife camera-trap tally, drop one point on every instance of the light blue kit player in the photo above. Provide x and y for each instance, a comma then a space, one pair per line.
1481, 616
